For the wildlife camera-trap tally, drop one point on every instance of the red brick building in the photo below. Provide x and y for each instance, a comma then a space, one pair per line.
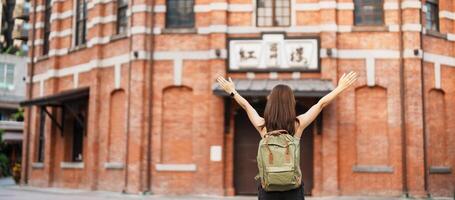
122, 94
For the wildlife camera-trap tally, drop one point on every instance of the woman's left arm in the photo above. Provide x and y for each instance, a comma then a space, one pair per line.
345, 81
254, 117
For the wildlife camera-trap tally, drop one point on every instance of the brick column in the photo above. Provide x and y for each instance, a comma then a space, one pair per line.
329, 143
411, 27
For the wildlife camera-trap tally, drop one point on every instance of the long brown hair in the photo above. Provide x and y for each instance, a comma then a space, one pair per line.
279, 111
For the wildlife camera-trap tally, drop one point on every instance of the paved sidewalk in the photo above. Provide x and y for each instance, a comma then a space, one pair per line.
9, 191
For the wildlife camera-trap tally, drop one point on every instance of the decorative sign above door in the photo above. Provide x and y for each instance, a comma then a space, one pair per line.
274, 52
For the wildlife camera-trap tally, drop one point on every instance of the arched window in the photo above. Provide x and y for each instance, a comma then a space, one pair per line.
369, 12
273, 13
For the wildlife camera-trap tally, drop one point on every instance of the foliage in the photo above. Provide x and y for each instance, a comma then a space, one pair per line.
4, 169
19, 115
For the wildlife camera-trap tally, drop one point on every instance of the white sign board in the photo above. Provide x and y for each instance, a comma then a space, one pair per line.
274, 52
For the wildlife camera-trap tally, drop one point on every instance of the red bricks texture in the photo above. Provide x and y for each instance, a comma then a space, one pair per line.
151, 107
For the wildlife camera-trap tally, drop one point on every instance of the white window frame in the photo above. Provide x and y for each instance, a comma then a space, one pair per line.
5, 84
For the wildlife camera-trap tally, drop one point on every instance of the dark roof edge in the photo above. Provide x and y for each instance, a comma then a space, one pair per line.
58, 97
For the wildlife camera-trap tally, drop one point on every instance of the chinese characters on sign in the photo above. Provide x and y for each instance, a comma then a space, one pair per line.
274, 52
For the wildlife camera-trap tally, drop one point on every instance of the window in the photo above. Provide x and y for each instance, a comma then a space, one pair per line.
432, 15
122, 19
180, 14
368, 12
42, 123
6, 76
273, 13
81, 22
47, 26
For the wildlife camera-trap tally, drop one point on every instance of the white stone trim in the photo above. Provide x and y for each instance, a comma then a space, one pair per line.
250, 75
446, 14
61, 15
273, 75
437, 75
240, 8
39, 42
38, 8
212, 29
72, 165
41, 88
176, 167
370, 71
324, 5
141, 8
141, 30
365, 53
394, 27
75, 80
178, 68
216, 6
188, 55
296, 75
37, 165
450, 37
411, 4
412, 27
344, 28
63, 33
157, 30
159, 8
98, 40
390, 5
210, 54
93, 3
345, 6
101, 20
117, 75
216, 153
113, 165
58, 52
441, 59
39, 25
409, 53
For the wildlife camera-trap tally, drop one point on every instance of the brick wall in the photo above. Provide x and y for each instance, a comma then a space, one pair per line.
152, 122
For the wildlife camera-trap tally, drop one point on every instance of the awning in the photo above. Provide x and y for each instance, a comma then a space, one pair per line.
262, 87
57, 99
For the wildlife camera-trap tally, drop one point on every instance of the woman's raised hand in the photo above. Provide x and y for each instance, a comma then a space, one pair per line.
347, 80
227, 86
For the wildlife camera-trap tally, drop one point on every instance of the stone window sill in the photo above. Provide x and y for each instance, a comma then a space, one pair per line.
367, 28
372, 169
435, 34
179, 30
77, 48
176, 167
37, 165
118, 37
440, 170
41, 58
72, 165
113, 165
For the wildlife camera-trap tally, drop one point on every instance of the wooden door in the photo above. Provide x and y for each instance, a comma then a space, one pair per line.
246, 142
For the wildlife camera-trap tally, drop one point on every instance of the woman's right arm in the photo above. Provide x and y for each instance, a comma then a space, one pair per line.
308, 117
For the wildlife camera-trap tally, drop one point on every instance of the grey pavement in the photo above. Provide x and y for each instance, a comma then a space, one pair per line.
9, 191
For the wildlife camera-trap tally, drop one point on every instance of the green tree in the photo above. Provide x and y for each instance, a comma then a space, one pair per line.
4, 169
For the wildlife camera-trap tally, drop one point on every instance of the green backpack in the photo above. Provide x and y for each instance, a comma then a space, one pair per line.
279, 161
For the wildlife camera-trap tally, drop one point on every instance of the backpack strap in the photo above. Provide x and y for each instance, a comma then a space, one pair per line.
276, 132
